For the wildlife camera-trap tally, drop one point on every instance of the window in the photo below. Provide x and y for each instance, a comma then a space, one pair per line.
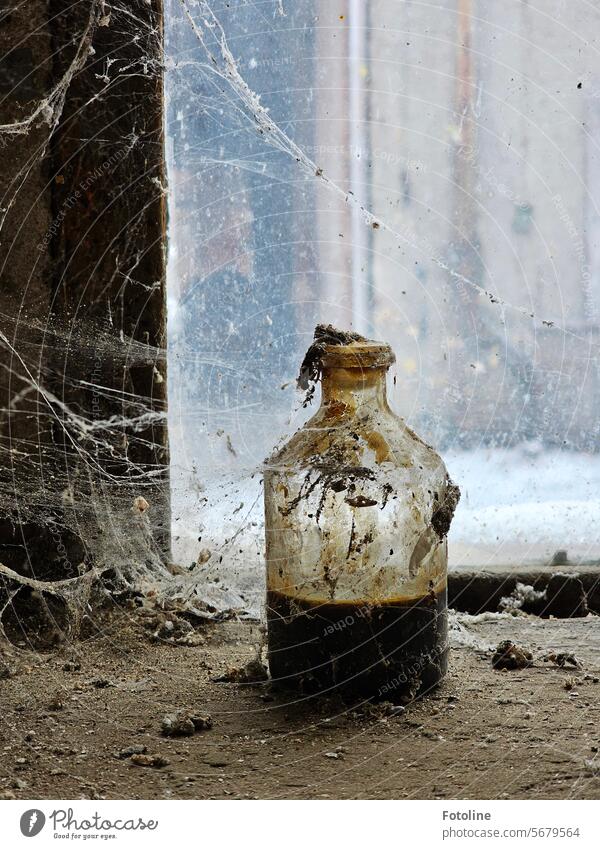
426, 174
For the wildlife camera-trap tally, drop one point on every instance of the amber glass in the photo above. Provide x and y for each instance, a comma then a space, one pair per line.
356, 511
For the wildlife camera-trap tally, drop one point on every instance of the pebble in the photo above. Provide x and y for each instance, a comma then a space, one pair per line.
156, 761
56, 703
131, 750
183, 723
101, 683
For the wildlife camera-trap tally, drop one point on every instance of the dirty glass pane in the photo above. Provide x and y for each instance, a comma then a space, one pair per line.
427, 174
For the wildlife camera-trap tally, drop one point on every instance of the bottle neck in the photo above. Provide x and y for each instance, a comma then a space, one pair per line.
354, 388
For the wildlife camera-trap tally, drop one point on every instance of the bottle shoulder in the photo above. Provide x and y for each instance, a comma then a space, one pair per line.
370, 439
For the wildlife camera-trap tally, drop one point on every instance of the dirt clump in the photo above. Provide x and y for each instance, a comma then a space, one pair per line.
57, 702
167, 627
184, 723
155, 761
379, 710
254, 672
563, 659
510, 656
441, 518
7, 670
325, 334
123, 754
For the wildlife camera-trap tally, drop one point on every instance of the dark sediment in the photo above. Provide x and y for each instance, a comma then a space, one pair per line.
393, 651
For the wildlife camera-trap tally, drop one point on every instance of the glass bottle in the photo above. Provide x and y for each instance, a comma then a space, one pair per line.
357, 510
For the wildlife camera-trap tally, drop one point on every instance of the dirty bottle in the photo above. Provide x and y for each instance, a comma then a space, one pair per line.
357, 511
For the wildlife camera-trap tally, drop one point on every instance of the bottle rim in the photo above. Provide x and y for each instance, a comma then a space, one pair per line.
358, 355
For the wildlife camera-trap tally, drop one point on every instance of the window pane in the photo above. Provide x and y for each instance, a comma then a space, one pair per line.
426, 173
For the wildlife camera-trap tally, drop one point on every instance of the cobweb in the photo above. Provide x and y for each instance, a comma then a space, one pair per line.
84, 484
324, 164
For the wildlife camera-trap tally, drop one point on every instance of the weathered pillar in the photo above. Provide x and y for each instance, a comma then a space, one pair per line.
82, 290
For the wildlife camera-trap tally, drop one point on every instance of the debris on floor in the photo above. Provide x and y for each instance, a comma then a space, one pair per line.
7, 670
56, 702
184, 723
168, 627
155, 761
563, 659
112, 745
254, 672
129, 751
510, 656
101, 683
380, 710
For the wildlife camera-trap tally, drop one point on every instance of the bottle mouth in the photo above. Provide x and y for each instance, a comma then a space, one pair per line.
360, 355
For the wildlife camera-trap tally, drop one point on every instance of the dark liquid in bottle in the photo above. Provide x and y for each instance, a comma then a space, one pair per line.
392, 651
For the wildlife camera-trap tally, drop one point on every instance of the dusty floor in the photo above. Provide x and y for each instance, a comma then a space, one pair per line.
532, 733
